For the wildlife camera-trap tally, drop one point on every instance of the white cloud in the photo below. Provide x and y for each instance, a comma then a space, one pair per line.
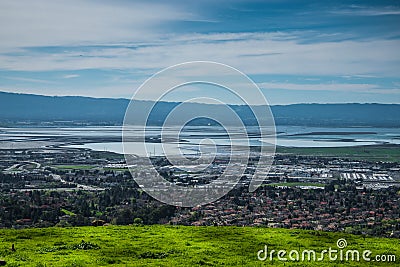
356, 10
337, 87
70, 76
270, 54
75, 26
27, 23
114, 91
31, 80
133, 36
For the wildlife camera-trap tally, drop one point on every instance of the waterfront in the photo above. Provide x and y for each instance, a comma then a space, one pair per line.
109, 138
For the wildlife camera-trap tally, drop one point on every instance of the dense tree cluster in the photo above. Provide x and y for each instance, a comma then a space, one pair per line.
41, 208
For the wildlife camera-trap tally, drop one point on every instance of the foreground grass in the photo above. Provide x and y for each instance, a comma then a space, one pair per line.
174, 246
388, 153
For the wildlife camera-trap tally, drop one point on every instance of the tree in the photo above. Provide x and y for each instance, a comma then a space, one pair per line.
138, 221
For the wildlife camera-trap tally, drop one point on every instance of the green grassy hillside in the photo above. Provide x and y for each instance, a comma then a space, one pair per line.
175, 246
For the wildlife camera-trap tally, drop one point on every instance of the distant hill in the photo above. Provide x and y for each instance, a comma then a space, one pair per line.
382, 115
37, 109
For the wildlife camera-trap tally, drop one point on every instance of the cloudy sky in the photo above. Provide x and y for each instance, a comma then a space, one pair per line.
296, 51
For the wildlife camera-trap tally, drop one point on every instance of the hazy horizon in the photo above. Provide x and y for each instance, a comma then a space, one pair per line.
277, 104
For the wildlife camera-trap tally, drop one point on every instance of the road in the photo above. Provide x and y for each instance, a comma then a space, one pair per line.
79, 186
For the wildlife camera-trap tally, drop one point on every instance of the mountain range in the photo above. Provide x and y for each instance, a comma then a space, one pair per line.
16, 109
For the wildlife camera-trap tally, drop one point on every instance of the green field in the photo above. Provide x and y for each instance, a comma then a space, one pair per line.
176, 246
73, 167
387, 153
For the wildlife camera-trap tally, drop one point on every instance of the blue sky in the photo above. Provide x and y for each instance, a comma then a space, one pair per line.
296, 51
